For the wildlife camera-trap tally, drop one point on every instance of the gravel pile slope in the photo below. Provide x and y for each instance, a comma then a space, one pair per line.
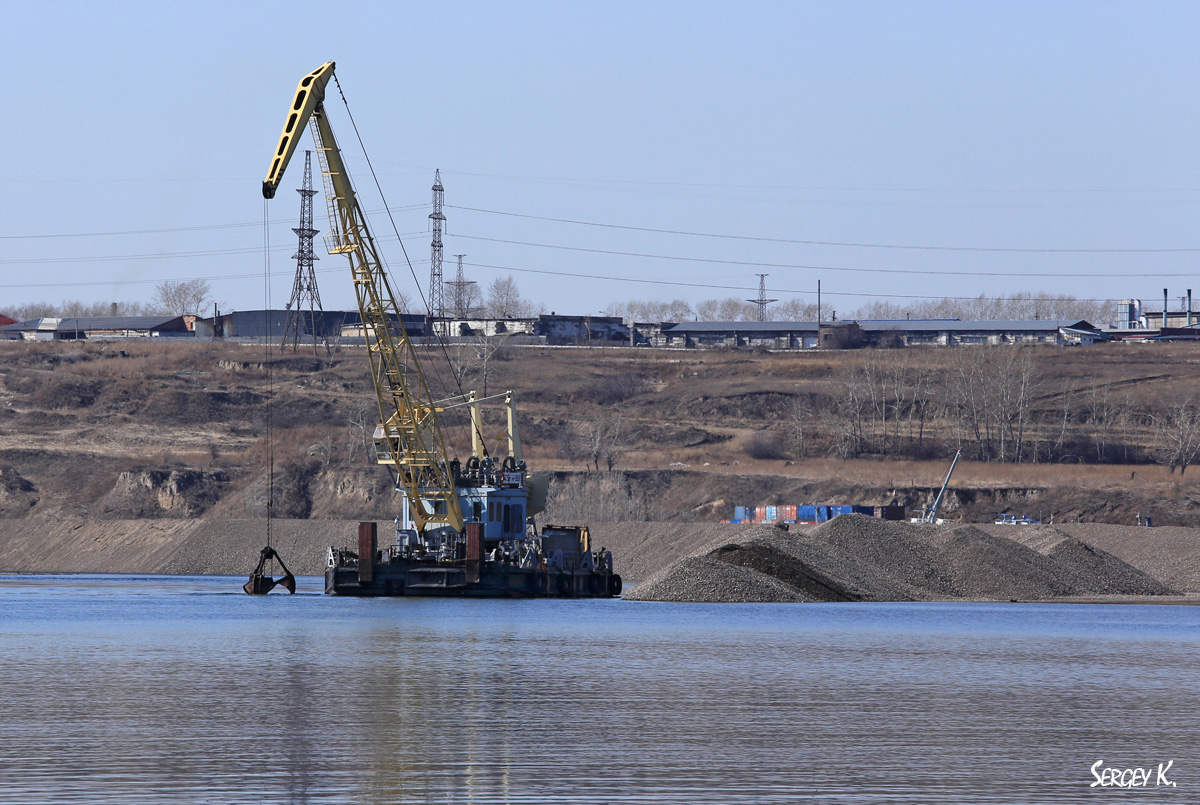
704, 579
1170, 554
1095, 572
855, 557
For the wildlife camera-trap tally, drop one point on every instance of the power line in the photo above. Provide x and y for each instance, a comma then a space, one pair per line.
174, 229
713, 286
826, 242
806, 267
159, 255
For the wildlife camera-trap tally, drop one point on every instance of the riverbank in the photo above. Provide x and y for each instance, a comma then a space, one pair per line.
850, 558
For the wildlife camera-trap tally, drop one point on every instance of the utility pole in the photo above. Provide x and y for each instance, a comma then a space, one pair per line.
762, 301
437, 301
304, 288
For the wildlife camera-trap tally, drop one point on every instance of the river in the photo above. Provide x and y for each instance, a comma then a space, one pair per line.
174, 689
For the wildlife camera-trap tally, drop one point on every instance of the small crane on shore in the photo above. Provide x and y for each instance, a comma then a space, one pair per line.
930, 514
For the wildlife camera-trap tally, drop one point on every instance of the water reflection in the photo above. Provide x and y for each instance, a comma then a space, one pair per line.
168, 690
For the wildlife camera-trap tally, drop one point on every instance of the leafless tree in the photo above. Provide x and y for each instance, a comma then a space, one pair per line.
729, 309
1177, 436
504, 300
603, 440
1103, 411
793, 310
179, 298
650, 311
1019, 305
598, 498
74, 308
360, 427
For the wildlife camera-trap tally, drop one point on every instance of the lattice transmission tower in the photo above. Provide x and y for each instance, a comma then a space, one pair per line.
306, 300
762, 301
437, 299
462, 294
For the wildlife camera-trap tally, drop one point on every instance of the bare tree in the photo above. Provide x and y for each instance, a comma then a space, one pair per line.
360, 427
603, 439
799, 413
708, 309
1177, 436
793, 310
736, 310
504, 300
179, 298
70, 308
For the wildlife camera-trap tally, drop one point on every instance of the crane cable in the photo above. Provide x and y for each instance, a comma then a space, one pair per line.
270, 371
416, 282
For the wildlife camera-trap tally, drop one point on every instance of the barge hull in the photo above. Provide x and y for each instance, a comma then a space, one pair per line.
451, 581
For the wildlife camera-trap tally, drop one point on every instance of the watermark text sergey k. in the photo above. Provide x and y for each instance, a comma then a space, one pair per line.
1113, 777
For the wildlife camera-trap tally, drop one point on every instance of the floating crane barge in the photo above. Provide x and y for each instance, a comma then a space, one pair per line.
466, 529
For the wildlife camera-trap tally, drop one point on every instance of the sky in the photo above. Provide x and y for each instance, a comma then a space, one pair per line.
600, 152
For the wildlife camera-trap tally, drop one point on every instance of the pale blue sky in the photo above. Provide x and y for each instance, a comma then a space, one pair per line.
989, 127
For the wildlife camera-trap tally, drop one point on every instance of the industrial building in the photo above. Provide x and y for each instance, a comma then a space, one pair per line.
262, 324
852, 334
97, 327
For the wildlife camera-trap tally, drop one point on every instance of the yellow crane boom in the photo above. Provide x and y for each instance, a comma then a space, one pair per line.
410, 439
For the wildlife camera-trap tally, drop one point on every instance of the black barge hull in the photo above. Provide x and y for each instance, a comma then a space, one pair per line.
451, 581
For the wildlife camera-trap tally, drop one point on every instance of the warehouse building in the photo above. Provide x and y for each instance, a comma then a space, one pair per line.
852, 334
97, 327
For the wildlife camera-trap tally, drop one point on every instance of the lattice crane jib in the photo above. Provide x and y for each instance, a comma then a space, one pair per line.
409, 439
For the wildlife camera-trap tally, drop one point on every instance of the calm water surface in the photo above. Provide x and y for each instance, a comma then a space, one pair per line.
123, 689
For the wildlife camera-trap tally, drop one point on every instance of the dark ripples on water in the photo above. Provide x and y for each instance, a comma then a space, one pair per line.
167, 690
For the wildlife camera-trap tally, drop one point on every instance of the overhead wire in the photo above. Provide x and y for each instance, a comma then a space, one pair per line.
753, 263
716, 286
848, 244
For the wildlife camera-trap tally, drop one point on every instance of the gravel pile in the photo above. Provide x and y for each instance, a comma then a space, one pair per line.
1094, 571
855, 557
1170, 554
704, 579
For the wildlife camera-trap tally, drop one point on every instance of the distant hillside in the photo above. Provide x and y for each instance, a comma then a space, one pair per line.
141, 430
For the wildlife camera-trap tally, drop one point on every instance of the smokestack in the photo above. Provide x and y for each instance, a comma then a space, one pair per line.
1164, 320
1189, 307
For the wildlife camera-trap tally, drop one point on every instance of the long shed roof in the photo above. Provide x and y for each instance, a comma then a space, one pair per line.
94, 323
